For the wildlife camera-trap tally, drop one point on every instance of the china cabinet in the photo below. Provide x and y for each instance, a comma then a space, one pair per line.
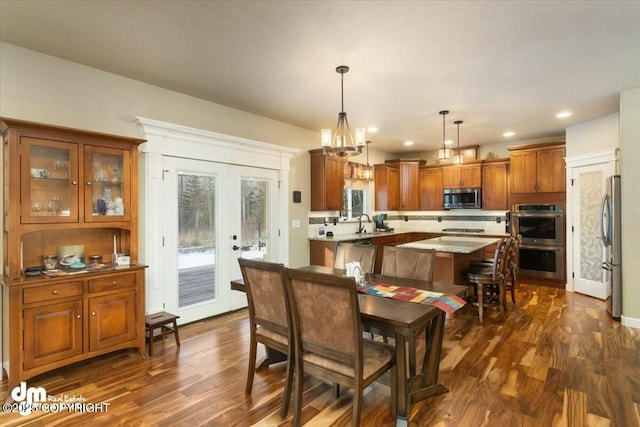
68, 188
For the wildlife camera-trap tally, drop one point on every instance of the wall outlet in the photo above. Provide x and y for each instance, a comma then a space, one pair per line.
406, 218
498, 219
439, 219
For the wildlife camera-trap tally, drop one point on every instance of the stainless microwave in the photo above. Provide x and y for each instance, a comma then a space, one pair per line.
462, 198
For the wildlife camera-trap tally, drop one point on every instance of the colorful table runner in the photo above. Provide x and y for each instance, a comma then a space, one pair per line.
445, 302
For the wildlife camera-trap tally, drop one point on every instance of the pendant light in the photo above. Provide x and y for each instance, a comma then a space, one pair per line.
368, 170
342, 144
458, 159
444, 152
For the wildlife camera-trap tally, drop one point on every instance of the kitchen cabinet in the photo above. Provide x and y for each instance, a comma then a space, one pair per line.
462, 176
537, 169
431, 187
387, 187
322, 252
327, 182
397, 185
495, 185
77, 188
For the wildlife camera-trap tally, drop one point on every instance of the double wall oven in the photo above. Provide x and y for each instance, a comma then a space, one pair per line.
542, 249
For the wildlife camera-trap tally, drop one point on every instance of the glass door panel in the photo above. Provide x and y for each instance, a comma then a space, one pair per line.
255, 219
196, 239
107, 184
50, 177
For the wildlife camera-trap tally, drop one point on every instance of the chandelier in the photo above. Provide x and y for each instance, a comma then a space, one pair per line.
458, 159
342, 143
443, 152
368, 169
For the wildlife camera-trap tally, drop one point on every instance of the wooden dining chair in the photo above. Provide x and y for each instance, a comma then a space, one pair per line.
513, 267
269, 317
408, 263
489, 282
350, 252
327, 333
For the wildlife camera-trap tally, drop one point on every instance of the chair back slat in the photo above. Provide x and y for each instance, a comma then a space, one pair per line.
350, 252
326, 315
266, 299
408, 263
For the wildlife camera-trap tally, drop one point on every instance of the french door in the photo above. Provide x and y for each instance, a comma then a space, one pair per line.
214, 213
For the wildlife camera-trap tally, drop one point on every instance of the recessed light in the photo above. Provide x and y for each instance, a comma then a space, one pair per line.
448, 142
564, 114
372, 129
408, 143
508, 133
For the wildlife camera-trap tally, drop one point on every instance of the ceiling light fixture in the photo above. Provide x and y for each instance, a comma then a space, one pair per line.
368, 169
407, 143
563, 114
342, 144
444, 152
458, 159
508, 134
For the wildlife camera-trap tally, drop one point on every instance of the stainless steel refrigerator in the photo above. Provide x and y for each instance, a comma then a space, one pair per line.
611, 236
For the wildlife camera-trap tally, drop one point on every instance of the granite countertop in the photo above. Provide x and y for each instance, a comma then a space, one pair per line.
356, 236
452, 244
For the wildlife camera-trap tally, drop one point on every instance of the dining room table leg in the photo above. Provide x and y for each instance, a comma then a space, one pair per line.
402, 383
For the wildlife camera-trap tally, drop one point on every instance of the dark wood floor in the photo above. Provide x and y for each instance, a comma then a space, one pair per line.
556, 360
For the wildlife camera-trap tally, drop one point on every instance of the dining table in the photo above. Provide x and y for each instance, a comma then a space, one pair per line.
405, 321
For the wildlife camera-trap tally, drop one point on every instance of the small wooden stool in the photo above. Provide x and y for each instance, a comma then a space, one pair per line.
161, 320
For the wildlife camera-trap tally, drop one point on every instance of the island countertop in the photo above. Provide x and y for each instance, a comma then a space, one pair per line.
452, 244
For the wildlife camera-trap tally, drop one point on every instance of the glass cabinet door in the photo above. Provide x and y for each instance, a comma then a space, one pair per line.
49, 191
107, 183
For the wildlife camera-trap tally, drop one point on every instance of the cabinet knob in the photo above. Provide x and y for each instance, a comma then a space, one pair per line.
113, 283
74, 182
78, 316
88, 182
93, 313
55, 292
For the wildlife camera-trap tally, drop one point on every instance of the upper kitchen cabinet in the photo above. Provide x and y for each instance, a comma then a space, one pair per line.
72, 185
327, 182
538, 169
462, 176
397, 185
495, 185
431, 188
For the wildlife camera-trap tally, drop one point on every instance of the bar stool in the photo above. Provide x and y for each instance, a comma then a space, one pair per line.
161, 320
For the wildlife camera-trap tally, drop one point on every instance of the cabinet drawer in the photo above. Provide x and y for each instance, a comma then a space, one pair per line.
110, 283
50, 292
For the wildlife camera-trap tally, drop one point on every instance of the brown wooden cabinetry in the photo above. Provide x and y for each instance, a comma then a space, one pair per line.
462, 176
431, 188
387, 187
74, 187
494, 185
538, 169
327, 182
397, 185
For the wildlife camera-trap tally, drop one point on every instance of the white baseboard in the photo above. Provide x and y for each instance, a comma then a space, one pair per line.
631, 322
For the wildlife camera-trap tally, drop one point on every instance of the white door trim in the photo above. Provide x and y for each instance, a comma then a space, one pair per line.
170, 139
603, 158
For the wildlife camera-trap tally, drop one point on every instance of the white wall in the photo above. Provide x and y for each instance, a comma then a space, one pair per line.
630, 182
595, 135
46, 89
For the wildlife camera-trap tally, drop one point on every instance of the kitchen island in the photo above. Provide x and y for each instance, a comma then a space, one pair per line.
454, 254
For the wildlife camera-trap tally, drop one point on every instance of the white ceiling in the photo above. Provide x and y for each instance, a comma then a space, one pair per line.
496, 65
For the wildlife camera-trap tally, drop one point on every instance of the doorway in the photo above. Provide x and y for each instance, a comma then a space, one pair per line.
215, 213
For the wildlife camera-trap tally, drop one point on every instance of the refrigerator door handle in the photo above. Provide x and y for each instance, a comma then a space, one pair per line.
605, 215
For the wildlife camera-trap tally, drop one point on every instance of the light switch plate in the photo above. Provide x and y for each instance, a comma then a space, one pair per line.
295, 223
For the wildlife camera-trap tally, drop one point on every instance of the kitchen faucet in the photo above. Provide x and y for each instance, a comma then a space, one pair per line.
360, 227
